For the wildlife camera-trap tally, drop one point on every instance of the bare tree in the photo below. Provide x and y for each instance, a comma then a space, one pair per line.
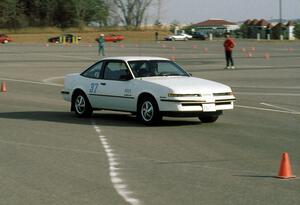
159, 5
114, 18
132, 11
141, 8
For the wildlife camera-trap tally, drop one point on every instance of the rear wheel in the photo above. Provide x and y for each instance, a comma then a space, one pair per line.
82, 106
147, 111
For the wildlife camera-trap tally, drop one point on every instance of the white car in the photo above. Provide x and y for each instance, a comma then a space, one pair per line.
187, 35
149, 87
179, 37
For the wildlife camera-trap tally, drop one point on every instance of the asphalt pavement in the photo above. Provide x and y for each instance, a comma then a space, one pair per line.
49, 156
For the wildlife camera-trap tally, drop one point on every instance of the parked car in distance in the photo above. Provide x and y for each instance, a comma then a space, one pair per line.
199, 36
179, 37
187, 35
149, 87
68, 37
113, 38
5, 39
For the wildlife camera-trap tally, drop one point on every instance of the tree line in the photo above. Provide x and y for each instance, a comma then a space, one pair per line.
72, 13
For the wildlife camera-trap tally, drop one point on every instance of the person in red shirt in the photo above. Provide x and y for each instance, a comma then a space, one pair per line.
229, 44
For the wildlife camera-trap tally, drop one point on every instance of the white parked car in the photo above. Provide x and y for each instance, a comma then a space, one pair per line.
179, 37
149, 87
187, 35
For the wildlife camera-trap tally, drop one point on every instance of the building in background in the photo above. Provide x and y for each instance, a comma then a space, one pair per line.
262, 29
216, 27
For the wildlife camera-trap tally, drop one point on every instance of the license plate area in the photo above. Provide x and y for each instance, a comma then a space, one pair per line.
209, 107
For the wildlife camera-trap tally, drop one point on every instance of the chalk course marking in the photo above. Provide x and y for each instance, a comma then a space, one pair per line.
31, 82
114, 169
267, 109
278, 107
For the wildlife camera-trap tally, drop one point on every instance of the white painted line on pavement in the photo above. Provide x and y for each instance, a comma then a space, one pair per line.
114, 170
278, 107
49, 80
32, 82
266, 109
268, 94
66, 56
266, 87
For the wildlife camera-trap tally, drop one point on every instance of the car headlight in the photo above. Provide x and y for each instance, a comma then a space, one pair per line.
183, 95
223, 94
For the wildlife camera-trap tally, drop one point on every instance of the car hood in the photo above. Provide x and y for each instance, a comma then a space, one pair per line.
188, 85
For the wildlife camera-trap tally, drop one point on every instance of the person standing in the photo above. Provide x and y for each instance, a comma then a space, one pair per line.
229, 44
101, 44
156, 36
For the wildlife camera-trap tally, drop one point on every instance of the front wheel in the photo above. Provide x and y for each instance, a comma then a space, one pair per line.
82, 105
208, 119
148, 112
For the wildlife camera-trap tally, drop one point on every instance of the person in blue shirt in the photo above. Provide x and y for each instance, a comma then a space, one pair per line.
101, 45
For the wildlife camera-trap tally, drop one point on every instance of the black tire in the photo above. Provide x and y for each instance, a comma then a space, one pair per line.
208, 119
82, 106
148, 111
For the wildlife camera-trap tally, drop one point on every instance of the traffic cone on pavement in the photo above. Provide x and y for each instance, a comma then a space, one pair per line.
3, 87
173, 58
267, 56
285, 170
249, 55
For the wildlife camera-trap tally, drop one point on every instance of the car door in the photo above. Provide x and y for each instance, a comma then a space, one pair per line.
116, 86
91, 83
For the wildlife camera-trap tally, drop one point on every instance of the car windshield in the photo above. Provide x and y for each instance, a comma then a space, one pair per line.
145, 68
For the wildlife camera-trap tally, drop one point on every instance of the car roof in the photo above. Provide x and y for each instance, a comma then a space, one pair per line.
134, 58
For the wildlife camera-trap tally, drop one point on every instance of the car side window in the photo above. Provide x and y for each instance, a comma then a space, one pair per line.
116, 71
94, 71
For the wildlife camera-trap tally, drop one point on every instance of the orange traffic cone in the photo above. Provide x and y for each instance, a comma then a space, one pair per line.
285, 170
3, 87
267, 56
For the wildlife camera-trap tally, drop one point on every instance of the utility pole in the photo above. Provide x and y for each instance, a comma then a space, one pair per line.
280, 11
280, 19
159, 2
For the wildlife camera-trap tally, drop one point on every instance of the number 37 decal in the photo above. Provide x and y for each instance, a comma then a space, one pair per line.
93, 87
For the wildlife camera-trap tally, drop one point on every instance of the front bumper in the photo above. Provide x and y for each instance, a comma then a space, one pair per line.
179, 105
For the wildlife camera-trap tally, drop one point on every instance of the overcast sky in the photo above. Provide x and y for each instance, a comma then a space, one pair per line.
194, 11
